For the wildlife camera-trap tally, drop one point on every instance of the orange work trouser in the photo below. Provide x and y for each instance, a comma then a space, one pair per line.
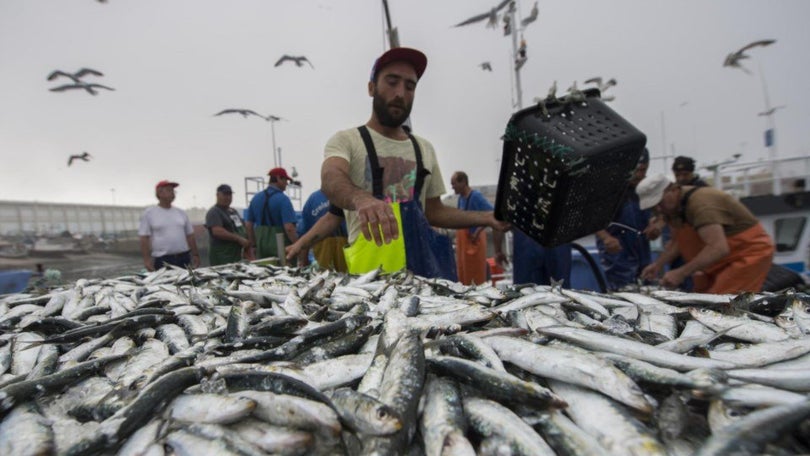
744, 268
471, 258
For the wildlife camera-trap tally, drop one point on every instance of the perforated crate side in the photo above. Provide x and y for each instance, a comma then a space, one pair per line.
563, 174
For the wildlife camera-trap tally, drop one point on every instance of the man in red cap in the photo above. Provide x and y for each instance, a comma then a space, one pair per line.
271, 212
166, 234
366, 169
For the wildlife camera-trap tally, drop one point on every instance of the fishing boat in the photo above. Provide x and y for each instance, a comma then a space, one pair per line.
55, 246
12, 250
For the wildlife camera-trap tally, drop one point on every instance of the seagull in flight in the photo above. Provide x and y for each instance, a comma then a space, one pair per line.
243, 112
531, 17
75, 77
83, 156
770, 111
733, 59
90, 88
486, 66
299, 60
492, 15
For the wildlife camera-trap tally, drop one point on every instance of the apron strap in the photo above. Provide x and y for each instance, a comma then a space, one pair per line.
377, 171
228, 218
267, 217
685, 200
421, 172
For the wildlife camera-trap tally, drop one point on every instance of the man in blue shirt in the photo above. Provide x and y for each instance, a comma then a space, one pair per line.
624, 246
328, 250
270, 213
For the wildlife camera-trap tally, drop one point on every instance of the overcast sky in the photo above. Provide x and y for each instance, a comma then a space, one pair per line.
175, 63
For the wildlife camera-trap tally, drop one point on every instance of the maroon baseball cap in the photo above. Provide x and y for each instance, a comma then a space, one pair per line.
401, 54
165, 183
279, 172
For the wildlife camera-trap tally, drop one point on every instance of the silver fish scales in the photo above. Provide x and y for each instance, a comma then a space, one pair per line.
244, 329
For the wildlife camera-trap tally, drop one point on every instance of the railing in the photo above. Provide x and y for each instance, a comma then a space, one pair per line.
786, 175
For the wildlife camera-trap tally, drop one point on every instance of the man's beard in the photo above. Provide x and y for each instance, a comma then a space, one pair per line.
384, 115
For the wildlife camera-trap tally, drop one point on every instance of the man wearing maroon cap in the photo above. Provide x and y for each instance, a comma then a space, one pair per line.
271, 212
166, 234
366, 169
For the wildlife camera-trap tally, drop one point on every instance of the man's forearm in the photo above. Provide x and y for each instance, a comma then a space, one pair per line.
289, 228
192, 245
338, 187
443, 216
669, 254
707, 256
146, 249
497, 239
225, 235
250, 233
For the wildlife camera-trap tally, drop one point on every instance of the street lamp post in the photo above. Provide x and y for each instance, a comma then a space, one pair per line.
276, 150
671, 154
517, 60
770, 134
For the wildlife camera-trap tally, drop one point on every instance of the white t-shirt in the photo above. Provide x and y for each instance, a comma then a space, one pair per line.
398, 160
167, 230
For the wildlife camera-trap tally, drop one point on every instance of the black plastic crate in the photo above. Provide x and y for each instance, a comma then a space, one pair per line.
565, 168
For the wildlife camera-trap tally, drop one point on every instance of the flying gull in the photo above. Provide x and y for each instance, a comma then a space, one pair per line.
733, 59
90, 88
83, 156
492, 15
770, 111
75, 77
243, 112
531, 17
299, 60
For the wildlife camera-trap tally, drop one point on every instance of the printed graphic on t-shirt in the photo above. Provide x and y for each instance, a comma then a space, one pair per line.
399, 178
237, 222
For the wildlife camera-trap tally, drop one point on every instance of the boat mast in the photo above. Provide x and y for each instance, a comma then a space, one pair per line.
517, 60
393, 34
770, 135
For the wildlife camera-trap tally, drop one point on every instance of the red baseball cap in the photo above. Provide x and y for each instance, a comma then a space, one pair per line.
165, 183
401, 54
279, 172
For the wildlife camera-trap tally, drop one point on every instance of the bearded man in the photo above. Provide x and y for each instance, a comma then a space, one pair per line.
388, 180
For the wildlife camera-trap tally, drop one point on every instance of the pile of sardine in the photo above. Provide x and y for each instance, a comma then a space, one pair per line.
245, 359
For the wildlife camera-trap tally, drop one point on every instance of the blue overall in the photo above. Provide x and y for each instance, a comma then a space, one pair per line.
622, 268
533, 263
427, 252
